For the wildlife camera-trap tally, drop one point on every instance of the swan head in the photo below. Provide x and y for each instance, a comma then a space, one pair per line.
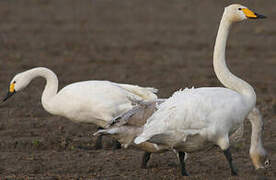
19, 82
259, 157
260, 160
237, 13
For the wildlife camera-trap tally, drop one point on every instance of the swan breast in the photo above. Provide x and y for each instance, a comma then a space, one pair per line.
207, 112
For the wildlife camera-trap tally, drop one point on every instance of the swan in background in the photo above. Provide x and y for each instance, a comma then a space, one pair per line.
194, 119
95, 102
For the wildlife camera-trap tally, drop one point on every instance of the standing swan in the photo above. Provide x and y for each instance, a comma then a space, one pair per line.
194, 119
95, 102
126, 127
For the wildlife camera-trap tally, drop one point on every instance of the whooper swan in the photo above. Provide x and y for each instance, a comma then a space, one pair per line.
194, 119
95, 102
126, 127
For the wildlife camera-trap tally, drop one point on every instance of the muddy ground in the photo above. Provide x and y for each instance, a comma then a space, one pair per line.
159, 43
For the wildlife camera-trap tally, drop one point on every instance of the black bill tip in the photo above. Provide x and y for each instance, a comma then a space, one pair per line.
9, 94
259, 16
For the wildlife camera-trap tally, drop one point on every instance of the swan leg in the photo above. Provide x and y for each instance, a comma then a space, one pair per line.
145, 159
181, 156
115, 144
228, 156
99, 143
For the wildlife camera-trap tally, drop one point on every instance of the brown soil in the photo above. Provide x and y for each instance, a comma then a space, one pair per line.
164, 44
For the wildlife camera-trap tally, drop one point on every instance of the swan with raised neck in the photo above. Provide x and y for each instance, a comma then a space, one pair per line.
228, 79
192, 119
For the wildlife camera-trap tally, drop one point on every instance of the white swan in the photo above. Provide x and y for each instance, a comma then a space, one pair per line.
126, 127
95, 102
193, 119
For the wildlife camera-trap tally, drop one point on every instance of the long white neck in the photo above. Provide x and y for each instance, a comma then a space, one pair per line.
256, 136
222, 72
51, 86
256, 148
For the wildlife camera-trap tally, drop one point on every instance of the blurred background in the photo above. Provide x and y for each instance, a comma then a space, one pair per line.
158, 43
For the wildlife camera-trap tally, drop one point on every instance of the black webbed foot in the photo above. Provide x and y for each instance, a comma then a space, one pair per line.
228, 156
145, 160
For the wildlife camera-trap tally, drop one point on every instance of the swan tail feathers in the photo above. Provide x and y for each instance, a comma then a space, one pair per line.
147, 93
140, 139
152, 89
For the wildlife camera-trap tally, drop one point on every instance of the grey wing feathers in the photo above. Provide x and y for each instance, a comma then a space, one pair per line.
138, 115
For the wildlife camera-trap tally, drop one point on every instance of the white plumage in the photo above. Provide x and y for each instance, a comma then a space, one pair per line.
128, 126
190, 112
88, 101
193, 119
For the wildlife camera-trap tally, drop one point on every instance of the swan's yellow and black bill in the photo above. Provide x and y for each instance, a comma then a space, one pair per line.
252, 15
10, 93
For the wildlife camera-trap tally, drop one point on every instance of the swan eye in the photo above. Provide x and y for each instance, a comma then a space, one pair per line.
240, 9
14, 82
267, 163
